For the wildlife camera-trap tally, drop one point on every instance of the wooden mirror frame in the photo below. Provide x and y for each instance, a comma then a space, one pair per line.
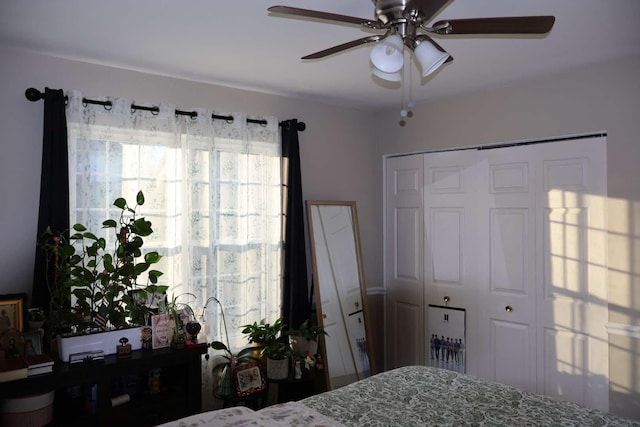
317, 283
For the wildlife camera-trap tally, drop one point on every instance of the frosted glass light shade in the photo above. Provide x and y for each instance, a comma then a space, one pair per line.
387, 55
392, 77
429, 57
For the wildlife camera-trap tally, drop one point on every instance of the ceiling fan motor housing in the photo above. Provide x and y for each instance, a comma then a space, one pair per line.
390, 10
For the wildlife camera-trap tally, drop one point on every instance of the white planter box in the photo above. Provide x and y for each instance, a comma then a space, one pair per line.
102, 341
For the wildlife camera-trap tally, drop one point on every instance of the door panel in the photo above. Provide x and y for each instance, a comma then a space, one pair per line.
404, 337
505, 207
511, 347
572, 301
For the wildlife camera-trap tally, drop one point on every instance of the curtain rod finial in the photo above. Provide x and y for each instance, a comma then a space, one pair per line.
33, 94
301, 126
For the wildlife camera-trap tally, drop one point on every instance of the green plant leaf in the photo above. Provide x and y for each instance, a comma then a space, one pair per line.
110, 223
120, 202
218, 345
89, 235
152, 257
140, 198
153, 275
142, 227
79, 227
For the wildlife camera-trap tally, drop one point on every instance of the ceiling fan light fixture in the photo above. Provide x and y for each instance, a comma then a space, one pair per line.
429, 57
391, 77
387, 54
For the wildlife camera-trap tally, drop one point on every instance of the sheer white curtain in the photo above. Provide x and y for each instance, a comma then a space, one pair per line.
213, 195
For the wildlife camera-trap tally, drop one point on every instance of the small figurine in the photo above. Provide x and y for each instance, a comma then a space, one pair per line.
193, 328
147, 344
154, 381
298, 371
124, 349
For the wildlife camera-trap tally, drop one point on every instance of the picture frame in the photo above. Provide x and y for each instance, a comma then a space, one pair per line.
447, 337
12, 343
12, 312
160, 333
248, 378
32, 343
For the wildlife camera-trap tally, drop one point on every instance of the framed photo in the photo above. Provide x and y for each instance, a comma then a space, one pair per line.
447, 337
248, 378
160, 333
32, 343
11, 343
12, 312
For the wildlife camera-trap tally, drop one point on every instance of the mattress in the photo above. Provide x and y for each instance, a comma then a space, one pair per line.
426, 396
414, 396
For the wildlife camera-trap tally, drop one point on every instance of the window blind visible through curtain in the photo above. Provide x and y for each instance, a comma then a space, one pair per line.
213, 195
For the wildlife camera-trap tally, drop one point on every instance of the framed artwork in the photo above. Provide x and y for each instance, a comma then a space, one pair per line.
12, 312
32, 343
447, 337
248, 378
11, 343
160, 334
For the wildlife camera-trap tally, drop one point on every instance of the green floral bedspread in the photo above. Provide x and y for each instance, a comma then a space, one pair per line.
425, 396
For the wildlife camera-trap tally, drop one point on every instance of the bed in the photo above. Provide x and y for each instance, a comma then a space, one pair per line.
414, 396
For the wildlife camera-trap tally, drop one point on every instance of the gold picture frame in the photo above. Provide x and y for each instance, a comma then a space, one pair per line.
12, 312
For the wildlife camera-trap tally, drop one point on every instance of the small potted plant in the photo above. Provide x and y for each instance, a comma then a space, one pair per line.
224, 369
277, 354
304, 339
262, 334
35, 318
180, 313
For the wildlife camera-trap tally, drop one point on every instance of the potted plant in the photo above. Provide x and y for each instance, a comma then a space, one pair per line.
35, 318
304, 339
277, 354
224, 369
180, 313
263, 334
93, 289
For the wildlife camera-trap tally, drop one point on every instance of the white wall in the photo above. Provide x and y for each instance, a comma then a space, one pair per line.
337, 159
603, 97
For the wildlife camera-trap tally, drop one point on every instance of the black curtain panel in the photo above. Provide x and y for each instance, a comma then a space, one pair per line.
54, 187
295, 299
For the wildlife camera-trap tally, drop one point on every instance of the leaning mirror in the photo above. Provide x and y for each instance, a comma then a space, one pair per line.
339, 290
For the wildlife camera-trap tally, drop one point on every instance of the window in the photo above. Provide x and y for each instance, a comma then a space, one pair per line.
212, 192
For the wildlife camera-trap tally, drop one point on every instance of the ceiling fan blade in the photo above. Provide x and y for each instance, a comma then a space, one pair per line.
426, 8
503, 25
344, 46
286, 10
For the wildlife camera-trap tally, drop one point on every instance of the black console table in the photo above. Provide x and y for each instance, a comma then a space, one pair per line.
158, 386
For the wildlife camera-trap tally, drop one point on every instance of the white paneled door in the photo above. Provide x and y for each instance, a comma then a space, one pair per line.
403, 266
516, 236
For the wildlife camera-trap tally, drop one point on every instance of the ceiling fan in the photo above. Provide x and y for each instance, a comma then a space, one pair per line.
404, 23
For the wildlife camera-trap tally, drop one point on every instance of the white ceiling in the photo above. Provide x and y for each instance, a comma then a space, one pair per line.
237, 43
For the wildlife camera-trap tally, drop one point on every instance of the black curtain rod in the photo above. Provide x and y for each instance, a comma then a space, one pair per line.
33, 95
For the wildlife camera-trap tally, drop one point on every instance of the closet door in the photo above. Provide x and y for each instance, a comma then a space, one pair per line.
505, 252
451, 240
573, 350
403, 270
517, 237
